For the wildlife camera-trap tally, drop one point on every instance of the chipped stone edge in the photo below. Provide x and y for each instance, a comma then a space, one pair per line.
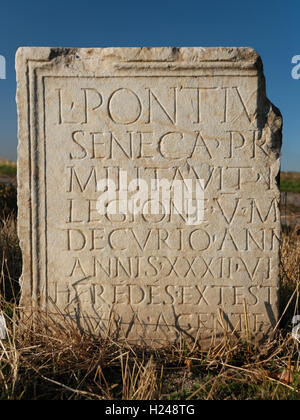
145, 54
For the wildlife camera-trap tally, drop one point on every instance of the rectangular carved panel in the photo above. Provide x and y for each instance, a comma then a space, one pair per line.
147, 192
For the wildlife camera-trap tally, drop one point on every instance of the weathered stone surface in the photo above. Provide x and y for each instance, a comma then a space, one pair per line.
155, 113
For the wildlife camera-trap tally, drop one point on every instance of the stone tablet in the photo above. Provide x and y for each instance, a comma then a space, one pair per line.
147, 191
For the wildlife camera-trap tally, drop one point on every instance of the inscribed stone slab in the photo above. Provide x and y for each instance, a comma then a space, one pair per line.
140, 116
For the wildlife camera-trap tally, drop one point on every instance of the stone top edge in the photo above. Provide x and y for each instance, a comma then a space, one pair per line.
245, 55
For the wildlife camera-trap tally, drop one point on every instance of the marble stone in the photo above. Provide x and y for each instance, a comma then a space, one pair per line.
105, 121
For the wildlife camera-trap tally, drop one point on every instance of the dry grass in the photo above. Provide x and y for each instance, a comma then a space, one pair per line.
53, 362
